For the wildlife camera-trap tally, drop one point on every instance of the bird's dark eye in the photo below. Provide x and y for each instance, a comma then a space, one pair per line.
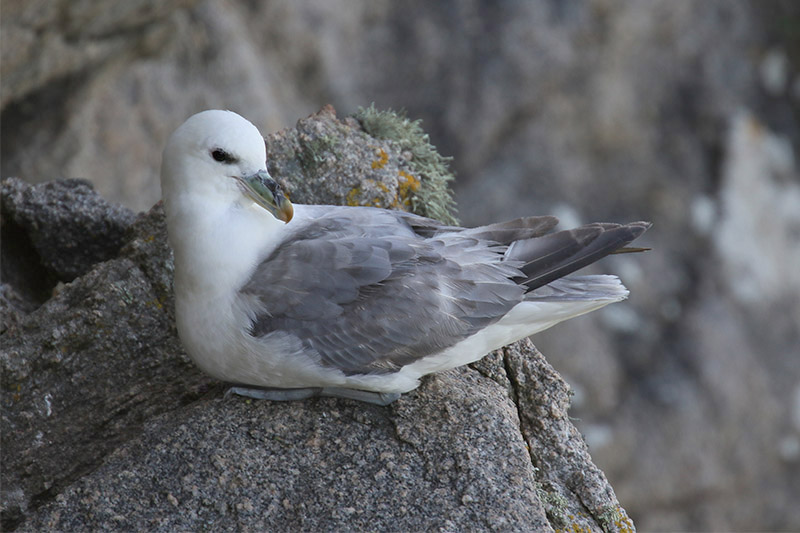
222, 156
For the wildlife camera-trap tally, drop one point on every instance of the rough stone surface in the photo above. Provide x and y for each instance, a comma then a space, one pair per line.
82, 371
106, 425
69, 226
43, 42
446, 458
684, 113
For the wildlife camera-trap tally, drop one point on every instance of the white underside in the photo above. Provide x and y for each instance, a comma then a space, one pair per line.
524, 320
221, 347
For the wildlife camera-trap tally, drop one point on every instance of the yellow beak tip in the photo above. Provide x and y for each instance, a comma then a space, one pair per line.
287, 212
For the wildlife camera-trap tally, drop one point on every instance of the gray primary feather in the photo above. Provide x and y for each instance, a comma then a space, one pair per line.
370, 290
554, 256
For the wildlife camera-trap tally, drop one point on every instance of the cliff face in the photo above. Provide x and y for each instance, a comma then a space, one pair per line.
106, 424
684, 113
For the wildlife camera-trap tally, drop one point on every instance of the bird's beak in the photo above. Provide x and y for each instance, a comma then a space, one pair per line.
265, 191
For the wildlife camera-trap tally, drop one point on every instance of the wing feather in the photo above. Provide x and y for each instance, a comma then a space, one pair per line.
556, 255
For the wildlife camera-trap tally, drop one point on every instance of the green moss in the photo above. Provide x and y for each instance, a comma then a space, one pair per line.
613, 519
312, 152
555, 506
433, 197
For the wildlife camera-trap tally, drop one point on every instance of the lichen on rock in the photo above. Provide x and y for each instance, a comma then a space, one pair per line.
384, 160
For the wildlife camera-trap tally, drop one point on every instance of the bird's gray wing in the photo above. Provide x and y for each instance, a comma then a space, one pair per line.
368, 293
499, 233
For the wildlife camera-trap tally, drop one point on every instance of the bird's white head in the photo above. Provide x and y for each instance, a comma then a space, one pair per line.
219, 155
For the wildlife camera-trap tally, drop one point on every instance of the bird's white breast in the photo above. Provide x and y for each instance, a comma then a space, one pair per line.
217, 246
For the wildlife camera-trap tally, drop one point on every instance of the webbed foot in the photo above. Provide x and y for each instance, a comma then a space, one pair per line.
377, 398
288, 395
276, 395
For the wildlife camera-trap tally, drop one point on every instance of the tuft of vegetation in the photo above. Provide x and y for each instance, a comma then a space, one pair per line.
431, 195
613, 519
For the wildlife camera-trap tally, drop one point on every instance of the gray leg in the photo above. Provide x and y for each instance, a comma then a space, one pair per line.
377, 398
288, 395
276, 395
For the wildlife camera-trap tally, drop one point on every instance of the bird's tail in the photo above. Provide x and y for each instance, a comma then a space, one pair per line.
563, 299
549, 257
580, 288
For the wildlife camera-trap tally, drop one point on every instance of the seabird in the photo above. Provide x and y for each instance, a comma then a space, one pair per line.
287, 302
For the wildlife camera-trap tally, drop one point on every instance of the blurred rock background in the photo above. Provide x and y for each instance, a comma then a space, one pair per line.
683, 113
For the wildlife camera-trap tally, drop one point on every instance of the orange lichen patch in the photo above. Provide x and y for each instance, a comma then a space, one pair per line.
353, 197
623, 523
614, 519
574, 527
377, 202
383, 158
406, 185
359, 196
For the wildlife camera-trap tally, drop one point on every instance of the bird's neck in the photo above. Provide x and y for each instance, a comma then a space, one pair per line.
217, 245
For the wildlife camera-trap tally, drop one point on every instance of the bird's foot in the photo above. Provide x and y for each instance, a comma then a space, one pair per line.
288, 395
377, 398
276, 395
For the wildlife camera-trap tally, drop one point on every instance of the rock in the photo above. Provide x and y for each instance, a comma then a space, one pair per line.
68, 225
53, 233
324, 160
44, 43
446, 458
107, 425
84, 370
